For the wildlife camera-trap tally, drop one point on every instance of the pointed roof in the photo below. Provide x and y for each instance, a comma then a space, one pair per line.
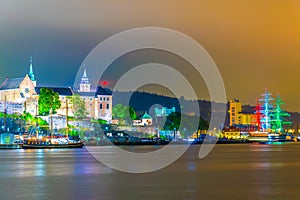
103, 91
13, 83
31, 74
84, 79
84, 73
146, 116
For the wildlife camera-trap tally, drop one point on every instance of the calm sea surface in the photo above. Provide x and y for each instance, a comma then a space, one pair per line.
237, 171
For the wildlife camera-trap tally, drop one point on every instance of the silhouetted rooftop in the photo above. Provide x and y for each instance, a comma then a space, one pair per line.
64, 91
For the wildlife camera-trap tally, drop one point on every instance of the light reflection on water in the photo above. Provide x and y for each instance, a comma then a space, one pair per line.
265, 147
228, 172
267, 165
191, 166
48, 162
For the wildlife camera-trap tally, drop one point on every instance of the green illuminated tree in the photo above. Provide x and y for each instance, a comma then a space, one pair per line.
48, 99
132, 113
123, 112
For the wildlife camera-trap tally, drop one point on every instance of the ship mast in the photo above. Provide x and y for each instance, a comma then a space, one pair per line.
67, 120
37, 121
278, 116
5, 112
258, 115
266, 110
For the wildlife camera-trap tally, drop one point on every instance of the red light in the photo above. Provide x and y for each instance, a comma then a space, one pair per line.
104, 83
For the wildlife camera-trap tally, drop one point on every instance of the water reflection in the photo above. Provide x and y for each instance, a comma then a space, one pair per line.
265, 147
191, 166
267, 165
48, 162
228, 172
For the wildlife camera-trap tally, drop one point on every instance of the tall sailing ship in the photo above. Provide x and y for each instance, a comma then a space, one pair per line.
46, 142
270, 119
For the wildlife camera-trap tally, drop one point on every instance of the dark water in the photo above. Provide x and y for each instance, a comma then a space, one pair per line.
238, 171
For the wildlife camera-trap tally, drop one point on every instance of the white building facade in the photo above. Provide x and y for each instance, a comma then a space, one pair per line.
21, 94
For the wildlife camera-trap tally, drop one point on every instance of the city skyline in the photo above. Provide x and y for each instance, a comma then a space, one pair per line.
254, 44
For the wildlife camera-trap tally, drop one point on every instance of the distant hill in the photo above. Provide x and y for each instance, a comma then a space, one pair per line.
143, 101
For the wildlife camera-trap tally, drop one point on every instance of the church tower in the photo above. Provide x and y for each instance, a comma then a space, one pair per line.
31, 74
84, 85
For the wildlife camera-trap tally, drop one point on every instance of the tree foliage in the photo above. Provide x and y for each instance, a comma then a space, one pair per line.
132, 113
48, 99
188, 123
123, 112
79, 108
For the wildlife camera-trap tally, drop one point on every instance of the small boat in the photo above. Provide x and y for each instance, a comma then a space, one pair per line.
276, 137
258, 136
53, 146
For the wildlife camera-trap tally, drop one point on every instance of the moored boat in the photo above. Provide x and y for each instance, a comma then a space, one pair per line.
276, 137
51, 146
258, 136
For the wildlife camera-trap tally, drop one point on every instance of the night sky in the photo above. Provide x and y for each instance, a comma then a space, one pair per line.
255, 44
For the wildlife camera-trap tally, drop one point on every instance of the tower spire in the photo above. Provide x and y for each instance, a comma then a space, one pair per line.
31, 74
84, 73
84, 85
84, 79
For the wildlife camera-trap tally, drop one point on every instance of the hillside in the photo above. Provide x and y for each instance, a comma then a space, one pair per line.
143, 101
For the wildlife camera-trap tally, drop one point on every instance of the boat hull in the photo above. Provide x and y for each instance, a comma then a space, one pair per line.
52, 146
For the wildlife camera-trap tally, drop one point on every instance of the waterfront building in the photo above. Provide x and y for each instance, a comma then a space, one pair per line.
98, 103
145, 120
164, 111
16, 90
21, 94
87, 95
235, 108
18, 94
237, 116
231, 133
11, 108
